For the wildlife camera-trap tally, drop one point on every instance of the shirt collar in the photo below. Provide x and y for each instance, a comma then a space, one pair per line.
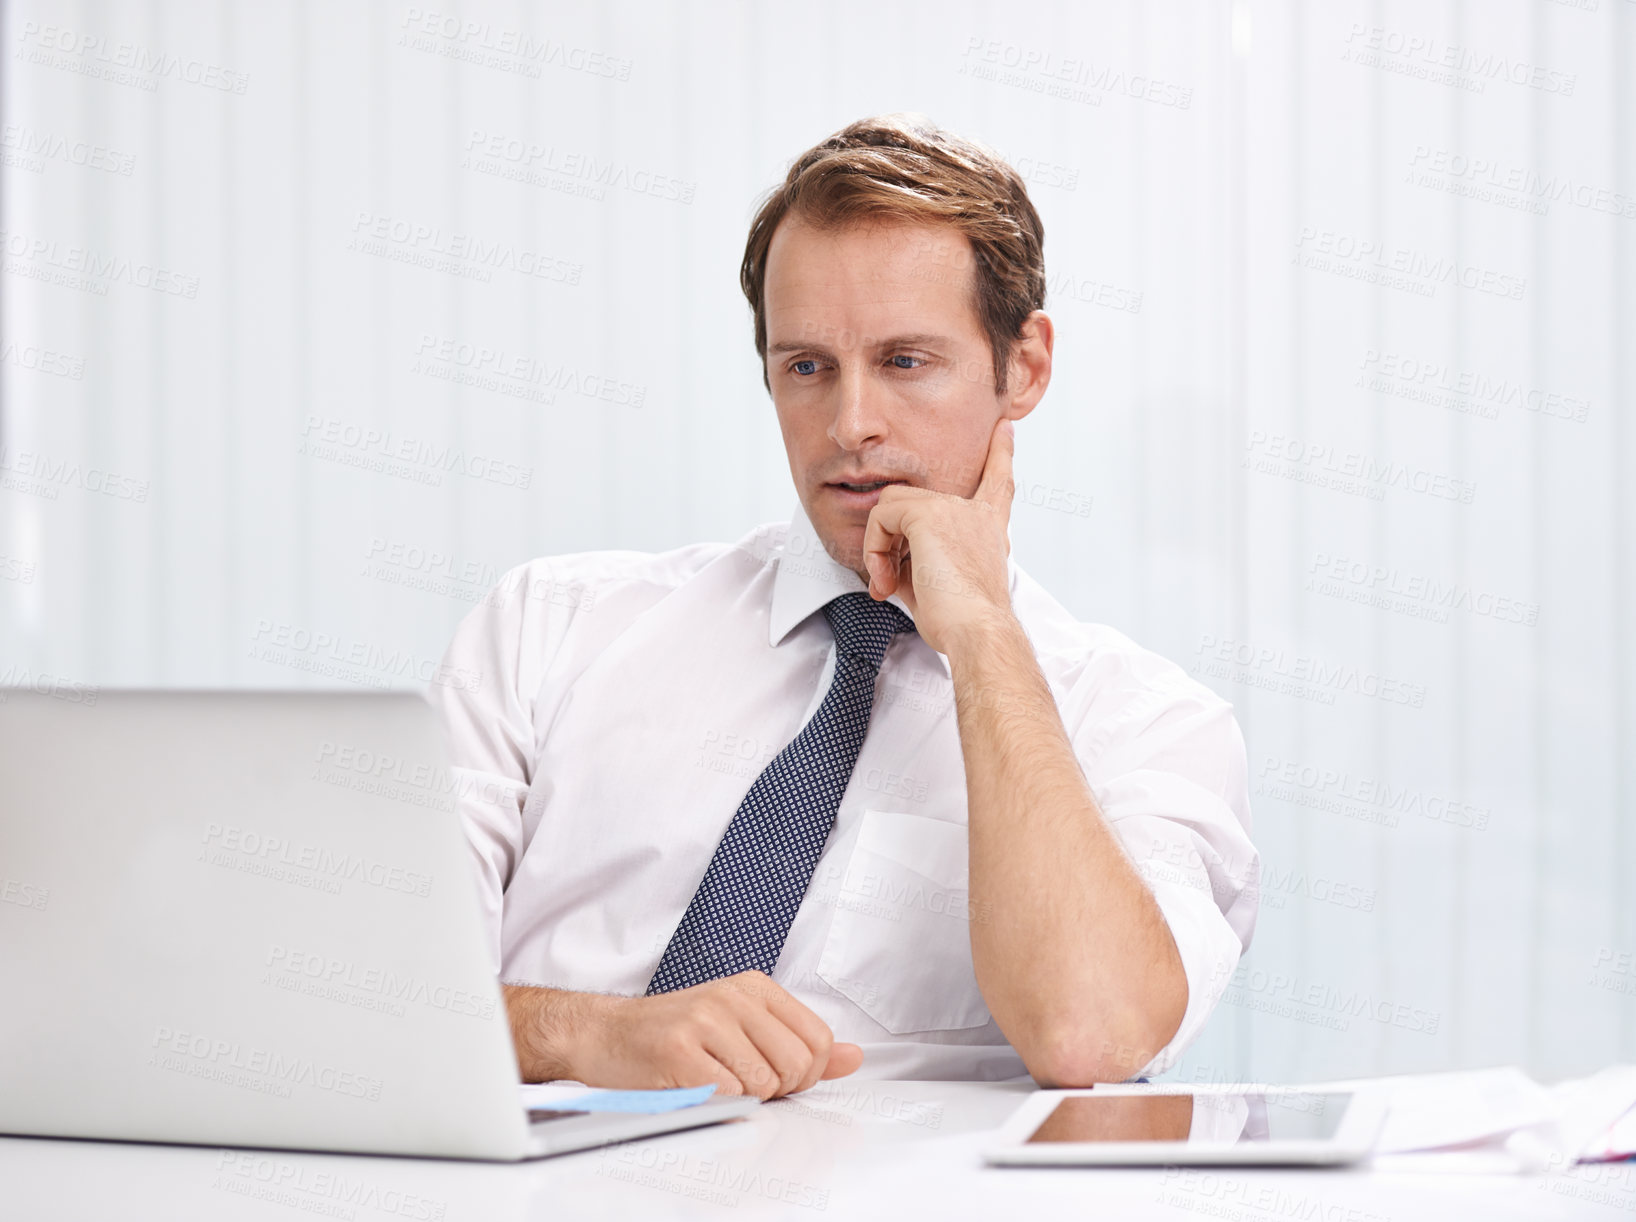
808, 577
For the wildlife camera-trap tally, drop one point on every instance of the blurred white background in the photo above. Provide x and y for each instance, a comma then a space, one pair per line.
319, 317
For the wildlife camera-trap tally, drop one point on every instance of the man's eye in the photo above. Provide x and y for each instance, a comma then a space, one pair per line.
904, 361
805, 368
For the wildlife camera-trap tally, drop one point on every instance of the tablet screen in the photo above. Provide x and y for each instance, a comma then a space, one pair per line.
1204, 1119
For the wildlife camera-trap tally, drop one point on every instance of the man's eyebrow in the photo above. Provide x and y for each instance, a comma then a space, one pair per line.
927, 338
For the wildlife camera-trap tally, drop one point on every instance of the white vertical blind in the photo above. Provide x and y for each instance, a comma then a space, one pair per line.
316, 318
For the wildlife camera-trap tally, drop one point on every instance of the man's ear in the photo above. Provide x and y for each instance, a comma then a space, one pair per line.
1030, 370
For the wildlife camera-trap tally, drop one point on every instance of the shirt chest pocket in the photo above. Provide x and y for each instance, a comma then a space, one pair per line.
899, 943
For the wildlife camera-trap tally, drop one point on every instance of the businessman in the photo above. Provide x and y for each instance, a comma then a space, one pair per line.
854, 790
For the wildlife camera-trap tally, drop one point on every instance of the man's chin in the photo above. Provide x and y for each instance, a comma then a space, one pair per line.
843, 541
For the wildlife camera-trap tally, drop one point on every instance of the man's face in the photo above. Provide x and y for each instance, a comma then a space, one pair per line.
878, 367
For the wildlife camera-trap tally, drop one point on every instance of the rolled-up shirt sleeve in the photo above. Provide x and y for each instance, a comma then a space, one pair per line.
1166, 763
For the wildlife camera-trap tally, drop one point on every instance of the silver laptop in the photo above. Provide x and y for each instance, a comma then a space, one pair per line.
249, 919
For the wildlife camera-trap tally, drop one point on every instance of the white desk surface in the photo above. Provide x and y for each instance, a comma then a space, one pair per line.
869, 1149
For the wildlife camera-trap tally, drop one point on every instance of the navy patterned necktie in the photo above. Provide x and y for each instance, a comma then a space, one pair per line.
742, 910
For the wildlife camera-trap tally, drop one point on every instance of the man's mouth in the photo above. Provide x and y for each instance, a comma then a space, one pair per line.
865, 481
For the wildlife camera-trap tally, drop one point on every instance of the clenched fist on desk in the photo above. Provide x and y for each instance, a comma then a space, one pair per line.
743, 1033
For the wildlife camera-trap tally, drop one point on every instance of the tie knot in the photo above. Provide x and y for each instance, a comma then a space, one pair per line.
863, 628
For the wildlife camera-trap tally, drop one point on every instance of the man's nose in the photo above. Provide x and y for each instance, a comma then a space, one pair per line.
860, 413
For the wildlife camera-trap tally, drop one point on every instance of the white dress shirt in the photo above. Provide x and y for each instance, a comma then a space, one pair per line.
627, 701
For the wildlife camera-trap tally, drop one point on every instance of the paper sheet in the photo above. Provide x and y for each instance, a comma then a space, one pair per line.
1500, 1120
1618, 1142
1590, 1112
1441, 1110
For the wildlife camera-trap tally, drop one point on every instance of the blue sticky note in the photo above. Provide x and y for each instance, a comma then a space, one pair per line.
647, 1102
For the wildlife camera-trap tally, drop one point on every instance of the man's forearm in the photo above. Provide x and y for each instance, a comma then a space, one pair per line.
543, 1025
1072, 953
741, 1033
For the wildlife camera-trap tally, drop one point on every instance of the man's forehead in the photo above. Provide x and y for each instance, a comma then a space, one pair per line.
893, 277
866, 251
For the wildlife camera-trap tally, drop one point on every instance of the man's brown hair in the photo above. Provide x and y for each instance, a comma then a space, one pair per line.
906, 168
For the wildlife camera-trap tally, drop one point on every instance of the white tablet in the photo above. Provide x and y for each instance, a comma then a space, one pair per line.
1178, 1124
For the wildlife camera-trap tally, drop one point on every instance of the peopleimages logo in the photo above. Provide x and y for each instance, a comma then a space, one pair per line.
1430, 58
1325, 465
1226, 1196
415, 458
1318, 1003
228, 845
69, 691
331, 977
1070, 78
580, 172
429, 246
37, 147
42, 475
709, 1181
1391, 588
260, 1069
42, 360
124, 63
80, 267
323, 1191
356, 661
1263, 666
413, 781
24, 895
1368, 799
1416, 271
484, 366
1491, 181
500, 46
1479, 394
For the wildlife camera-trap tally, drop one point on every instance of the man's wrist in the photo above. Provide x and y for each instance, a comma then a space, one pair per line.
979, 635
549, 1029
996, 674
